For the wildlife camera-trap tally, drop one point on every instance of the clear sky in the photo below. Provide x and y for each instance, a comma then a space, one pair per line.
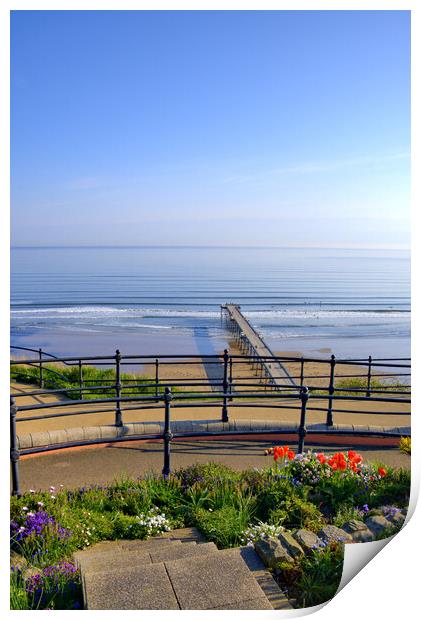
210, 127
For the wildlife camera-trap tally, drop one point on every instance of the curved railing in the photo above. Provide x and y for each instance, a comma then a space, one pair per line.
234, 384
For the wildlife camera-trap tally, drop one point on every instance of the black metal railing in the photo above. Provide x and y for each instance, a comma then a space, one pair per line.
232, 387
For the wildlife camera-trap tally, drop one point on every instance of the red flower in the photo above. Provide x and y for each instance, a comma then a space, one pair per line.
382, 472
321, 458
290, 455
278, 453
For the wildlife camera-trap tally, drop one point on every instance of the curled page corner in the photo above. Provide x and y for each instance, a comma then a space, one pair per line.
358, 555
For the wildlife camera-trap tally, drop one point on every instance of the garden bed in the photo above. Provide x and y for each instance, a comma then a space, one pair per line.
265, 508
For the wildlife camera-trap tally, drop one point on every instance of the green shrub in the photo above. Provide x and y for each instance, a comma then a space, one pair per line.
277, 493
224, 526
393, 489
58, 376
207, 474
356, 386
316, 578
346, 513
295, 513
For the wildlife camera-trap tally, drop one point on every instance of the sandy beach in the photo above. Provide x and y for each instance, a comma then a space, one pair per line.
379, 414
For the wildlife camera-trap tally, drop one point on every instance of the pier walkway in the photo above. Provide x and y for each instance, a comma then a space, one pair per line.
252, 343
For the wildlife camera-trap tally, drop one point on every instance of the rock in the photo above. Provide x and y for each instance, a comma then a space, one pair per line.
394, 515
271, 552
307, 540
290, 544
358, 531
378, 525
376, 512
397, 519
331, 533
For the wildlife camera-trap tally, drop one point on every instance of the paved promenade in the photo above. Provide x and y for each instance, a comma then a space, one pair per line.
101, 465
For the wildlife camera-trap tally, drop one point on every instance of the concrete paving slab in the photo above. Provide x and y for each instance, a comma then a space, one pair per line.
272, 591
107, 554
256, 603
188, 549
212, 581
187, 534
104, 563
151, 543
145, 587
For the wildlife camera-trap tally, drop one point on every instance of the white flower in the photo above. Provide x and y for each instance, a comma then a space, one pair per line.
40, 504
32, 490
25, 508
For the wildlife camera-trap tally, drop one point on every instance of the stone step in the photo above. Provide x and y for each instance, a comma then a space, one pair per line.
101, 564
215, 581
264, 578
110, 564
140, 587
185, 534
108, 554
186, 550
178, 576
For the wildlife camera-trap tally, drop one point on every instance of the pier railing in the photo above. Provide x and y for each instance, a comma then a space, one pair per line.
224, 382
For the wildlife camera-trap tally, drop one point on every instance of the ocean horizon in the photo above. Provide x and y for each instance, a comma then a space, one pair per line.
166, 299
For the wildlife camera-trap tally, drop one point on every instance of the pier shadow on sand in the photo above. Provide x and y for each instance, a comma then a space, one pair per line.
205, 346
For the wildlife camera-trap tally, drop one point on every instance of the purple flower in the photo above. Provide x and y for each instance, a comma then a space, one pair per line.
36, 524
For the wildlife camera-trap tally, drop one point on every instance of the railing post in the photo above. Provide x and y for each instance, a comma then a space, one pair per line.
14, 452
156, 377
225, 388
329, 418
80, 380
118, 419
368, 393
230, 377
302, 431
167, 433
302, 372
41, 373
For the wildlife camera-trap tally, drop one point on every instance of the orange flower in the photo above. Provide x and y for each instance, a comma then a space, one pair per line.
382, 472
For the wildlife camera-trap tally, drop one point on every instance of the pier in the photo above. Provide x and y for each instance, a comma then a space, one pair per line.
251, 343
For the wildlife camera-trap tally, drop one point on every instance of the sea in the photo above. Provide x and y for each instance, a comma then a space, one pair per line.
73, 301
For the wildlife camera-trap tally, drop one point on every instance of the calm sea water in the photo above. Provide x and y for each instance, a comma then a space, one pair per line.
165, 300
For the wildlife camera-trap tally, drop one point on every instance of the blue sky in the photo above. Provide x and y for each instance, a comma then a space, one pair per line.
215, 128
